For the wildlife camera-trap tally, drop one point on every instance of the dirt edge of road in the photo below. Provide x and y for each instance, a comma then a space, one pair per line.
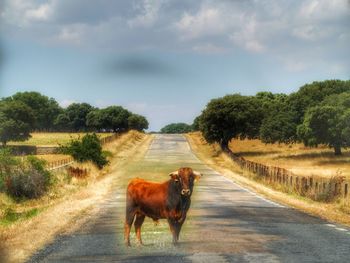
214, 158
22, 240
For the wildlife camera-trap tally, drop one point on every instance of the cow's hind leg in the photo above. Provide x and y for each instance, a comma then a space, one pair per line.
129, 219
138, 223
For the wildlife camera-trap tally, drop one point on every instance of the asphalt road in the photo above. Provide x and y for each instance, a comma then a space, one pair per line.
226, 223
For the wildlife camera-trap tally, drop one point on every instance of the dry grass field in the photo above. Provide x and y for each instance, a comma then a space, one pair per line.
297, 158
53, 138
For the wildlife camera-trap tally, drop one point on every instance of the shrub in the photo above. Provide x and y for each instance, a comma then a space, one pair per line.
29, 180
87, 149
7, 165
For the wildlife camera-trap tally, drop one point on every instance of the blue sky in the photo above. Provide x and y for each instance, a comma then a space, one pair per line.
166, 59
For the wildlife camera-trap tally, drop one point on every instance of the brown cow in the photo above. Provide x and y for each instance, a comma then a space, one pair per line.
170, 200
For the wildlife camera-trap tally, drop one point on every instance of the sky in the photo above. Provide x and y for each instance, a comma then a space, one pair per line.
165, 59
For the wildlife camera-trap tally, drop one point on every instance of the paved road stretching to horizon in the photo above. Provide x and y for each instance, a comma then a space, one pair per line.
226, 223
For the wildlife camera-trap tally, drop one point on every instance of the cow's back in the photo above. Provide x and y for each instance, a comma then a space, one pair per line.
148, 197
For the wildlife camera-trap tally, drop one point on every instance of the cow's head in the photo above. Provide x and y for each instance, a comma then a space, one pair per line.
184, 179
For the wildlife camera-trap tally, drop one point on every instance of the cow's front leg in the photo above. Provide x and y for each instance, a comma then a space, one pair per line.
175, 228
178, 226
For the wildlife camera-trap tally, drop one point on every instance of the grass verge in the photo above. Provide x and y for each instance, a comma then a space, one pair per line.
67, 205
211, 154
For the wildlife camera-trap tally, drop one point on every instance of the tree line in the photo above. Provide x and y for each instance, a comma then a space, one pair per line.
25, 112
318, 113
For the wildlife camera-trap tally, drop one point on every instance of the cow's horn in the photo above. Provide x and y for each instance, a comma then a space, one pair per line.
197, 173
174, 173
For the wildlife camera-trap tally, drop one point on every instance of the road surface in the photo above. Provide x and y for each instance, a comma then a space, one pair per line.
226, 223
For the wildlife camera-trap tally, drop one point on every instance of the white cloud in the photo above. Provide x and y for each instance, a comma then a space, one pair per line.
247, 36
324, 9
148, 15
310, 28
208, 21
22, 13
71, 34
40, 13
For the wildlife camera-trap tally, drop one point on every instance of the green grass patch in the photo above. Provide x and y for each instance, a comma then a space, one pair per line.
10, 216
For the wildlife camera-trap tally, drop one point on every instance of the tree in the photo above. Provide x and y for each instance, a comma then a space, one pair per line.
176, 128
16, 121
137, 122
45, 109
94, 120
74, 117
328, 123
196, 123
230, 117
62, 122
115, 118
284, 113
278, 127
313, 94
278, 124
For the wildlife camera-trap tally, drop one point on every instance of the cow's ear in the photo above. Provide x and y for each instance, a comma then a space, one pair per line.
174, 175
197, 175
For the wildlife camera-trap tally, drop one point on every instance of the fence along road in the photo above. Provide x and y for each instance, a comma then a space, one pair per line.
226, 223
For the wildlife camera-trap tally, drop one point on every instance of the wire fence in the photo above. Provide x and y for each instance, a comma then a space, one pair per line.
336, 186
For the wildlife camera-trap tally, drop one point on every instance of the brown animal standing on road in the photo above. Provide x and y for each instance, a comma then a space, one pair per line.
170, 200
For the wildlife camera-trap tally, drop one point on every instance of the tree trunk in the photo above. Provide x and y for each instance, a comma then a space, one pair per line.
224, 146
337, 150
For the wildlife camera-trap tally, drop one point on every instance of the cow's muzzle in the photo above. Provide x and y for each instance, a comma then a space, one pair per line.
186, 192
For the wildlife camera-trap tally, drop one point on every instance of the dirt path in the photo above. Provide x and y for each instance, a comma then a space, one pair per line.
226, 223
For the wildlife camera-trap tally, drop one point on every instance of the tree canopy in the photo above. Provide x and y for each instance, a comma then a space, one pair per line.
318, 113
328, 123
137, 122
176, 128
16, 121
229, 117
25, 112
45, 109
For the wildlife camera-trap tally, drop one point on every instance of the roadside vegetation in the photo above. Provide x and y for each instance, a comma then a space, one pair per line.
176, 128
68, 200
306, 132
89, 148
28, 188
30, 118
328, 207
317, 114
28, 112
